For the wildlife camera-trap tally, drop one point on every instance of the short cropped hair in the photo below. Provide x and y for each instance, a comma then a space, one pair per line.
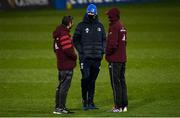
66, 20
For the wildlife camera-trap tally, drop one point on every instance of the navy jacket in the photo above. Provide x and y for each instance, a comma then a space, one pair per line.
89, 39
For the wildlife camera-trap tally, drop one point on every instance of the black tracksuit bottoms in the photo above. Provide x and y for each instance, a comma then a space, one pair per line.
89, 70
65, 78
118, 83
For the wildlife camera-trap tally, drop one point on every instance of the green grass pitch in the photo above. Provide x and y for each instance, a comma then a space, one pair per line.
28, 74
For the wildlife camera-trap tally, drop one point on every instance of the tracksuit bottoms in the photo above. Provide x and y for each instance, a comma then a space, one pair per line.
118, 83
90, 70
65, 78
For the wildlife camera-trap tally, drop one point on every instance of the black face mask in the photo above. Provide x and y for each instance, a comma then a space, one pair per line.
113, 18
91, 17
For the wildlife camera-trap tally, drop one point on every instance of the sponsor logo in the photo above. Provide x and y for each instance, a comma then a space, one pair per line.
25, 3
82, 65
98, 29
90, 1
12, 3
75, 2
87, 30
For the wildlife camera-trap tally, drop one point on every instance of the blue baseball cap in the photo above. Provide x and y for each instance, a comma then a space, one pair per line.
92, 9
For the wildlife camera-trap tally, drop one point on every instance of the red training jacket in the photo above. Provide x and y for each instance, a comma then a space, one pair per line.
64, 49
116, 42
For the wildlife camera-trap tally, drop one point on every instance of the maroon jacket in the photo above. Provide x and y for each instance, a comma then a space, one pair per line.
64, 49
116, 41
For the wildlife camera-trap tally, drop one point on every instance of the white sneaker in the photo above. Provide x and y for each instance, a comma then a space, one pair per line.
124, 109
115, 110
55, 112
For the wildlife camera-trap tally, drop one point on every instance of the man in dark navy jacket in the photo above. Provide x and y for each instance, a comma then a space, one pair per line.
89, 40
116, 56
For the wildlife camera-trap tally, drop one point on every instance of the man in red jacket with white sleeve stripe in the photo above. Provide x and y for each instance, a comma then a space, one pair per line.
66, 61
116, 56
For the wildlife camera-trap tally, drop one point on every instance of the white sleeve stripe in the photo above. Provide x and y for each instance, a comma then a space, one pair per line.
122, 30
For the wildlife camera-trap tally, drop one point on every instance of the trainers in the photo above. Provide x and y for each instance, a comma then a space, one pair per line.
115, 110
65, 111
124, 109
57, 111
62, 110
85, 106
92, 106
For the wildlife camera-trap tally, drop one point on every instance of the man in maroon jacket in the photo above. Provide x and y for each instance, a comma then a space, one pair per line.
116, 56
66, 61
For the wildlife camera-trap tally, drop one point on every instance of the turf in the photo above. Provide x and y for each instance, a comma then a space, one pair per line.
28, 74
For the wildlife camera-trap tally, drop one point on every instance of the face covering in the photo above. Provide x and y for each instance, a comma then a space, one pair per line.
91, 17
113, 18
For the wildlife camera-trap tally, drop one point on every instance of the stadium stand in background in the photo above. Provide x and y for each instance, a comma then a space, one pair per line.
58, 4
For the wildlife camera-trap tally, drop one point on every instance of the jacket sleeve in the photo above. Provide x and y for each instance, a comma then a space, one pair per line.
67, 47
112, 44
55, 36
77, 39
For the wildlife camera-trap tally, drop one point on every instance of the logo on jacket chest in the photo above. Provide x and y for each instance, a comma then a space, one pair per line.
87, 30
98, 29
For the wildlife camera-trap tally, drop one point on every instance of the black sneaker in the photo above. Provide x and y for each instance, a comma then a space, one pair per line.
92, 106
85, 106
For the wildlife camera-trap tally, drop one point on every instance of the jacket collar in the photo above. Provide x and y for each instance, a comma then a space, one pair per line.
86, 20
65, 28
